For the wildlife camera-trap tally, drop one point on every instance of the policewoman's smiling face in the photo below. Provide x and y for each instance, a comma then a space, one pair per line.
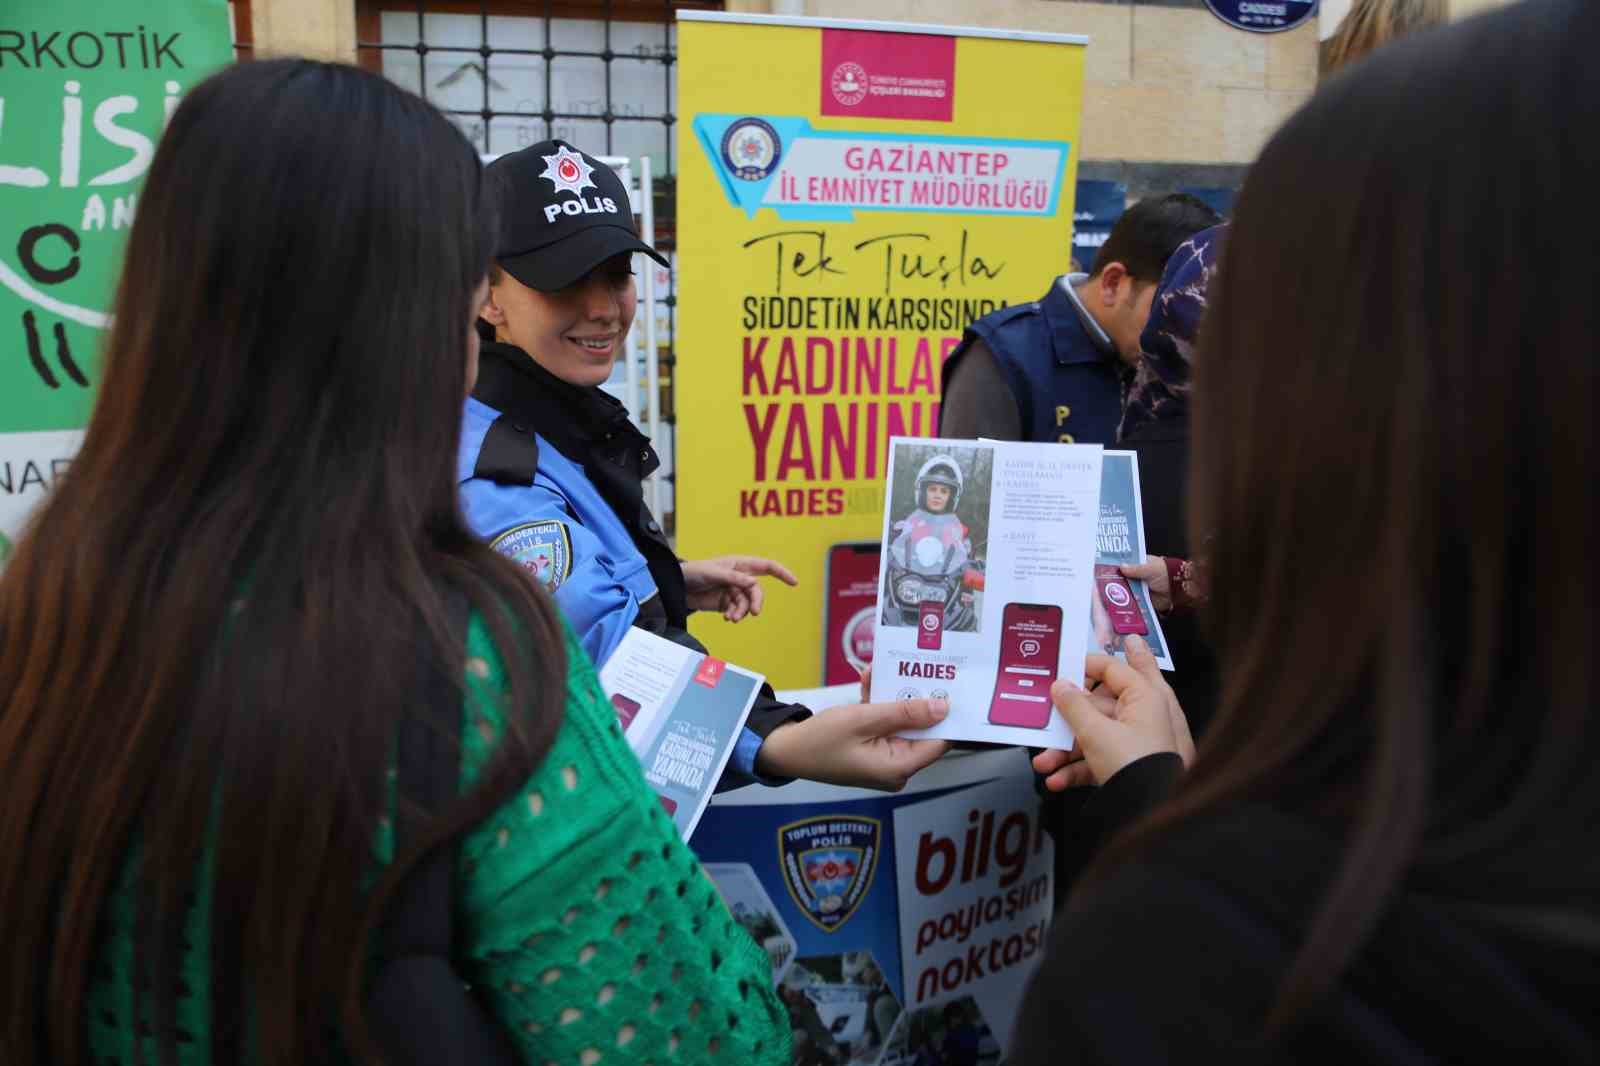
576, 333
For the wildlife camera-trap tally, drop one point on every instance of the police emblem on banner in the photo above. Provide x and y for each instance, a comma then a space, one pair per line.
751, 148
541, 548
828, 863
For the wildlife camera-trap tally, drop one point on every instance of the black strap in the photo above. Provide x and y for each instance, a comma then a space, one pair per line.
510, 453
420, 918
418, 1008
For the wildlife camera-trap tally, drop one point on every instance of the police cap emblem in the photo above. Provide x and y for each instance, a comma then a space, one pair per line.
568, 171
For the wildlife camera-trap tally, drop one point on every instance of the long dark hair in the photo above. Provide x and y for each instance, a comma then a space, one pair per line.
212, 628
1394, 464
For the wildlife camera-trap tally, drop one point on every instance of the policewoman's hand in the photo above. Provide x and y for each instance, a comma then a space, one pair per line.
731, 585
1127, 712
856, 745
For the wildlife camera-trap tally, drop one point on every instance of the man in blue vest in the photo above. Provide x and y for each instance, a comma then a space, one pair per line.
1054, 370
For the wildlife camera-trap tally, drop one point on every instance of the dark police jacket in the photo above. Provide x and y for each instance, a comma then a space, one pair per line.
551, 474
1067, 382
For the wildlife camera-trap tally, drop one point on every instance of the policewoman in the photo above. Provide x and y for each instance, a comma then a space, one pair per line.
551, 467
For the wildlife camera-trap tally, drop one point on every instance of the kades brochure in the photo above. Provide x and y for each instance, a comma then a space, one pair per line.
988, 560
681, 713
1121, 606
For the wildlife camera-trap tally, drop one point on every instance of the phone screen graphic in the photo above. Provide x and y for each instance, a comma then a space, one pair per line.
626, 709
850, 611
1030, 647
930, 625
1116, 595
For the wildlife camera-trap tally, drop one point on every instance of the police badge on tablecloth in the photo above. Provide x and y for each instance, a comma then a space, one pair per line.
828, 863
542, 548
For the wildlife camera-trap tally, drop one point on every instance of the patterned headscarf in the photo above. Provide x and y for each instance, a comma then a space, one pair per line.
1160, 389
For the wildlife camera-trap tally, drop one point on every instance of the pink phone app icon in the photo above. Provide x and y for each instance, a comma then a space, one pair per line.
626, 709
1029, 648
930, 626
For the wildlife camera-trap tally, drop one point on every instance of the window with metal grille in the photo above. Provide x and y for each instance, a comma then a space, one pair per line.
601, 74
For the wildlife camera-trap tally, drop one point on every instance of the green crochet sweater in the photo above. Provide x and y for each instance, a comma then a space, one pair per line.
585, 926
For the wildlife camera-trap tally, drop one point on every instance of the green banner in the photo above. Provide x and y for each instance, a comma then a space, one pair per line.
85, 90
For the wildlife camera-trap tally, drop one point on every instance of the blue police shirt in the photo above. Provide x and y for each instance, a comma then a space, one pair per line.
565, 534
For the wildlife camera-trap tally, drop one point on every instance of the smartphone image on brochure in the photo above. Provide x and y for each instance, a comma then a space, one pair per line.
626, 708
1116, 595
1030, 647
930, 625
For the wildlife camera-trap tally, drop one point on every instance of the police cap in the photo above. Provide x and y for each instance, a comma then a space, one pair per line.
562, 213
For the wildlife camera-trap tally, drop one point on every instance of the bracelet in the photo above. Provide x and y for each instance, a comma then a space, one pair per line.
1186, 584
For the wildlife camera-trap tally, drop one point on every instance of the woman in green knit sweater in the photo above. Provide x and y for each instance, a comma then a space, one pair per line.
213, 629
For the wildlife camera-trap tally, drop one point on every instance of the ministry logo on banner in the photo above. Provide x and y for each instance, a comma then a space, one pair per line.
876, 74
828, 864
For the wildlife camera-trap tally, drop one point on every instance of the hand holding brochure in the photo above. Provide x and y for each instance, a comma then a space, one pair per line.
1121, 606
988, 560
681, 713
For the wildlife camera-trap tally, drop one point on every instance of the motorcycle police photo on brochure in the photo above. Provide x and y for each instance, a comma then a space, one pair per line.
937, 536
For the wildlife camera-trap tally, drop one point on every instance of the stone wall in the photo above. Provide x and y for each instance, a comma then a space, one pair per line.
1173, 96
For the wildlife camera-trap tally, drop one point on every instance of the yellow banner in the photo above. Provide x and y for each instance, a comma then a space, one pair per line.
848, 201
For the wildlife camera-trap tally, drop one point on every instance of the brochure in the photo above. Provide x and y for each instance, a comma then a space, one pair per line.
681, 713
1119, 605
988, 559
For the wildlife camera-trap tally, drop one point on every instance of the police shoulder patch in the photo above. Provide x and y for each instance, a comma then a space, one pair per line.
544, 549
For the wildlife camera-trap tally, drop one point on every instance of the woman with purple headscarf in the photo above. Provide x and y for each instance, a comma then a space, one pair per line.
1155, 424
